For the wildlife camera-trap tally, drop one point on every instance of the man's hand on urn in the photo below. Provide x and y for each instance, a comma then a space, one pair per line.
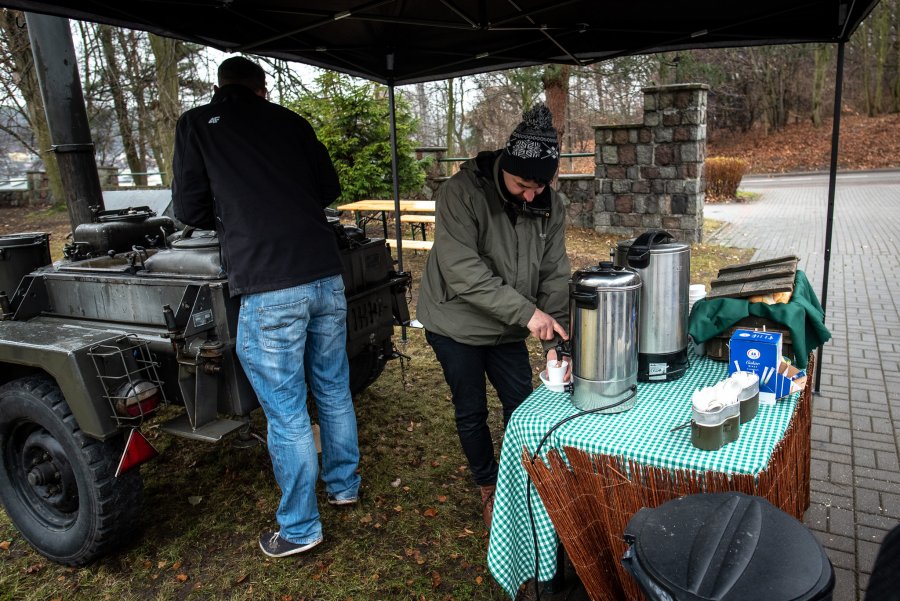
543, 327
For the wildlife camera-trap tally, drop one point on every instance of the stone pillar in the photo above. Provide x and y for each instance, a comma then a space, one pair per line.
109, 176
38, 187
650, 175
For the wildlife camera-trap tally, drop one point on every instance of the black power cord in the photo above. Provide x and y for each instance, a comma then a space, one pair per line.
537, 560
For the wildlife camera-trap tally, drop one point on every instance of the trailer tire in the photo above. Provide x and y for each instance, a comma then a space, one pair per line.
367, 365
58, 485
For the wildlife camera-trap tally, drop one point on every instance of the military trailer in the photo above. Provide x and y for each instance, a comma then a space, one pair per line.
136, 316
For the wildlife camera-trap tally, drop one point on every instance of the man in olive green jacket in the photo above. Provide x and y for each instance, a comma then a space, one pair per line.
497, 272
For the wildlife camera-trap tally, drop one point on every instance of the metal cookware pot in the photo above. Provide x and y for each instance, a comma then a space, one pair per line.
603, 311
665, 269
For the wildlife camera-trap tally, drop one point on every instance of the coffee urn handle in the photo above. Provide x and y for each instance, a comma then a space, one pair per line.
584, 299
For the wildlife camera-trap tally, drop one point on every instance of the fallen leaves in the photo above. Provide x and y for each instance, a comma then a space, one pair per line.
430, 512
866, 143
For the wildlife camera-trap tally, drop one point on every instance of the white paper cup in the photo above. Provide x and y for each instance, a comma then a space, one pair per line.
556, 375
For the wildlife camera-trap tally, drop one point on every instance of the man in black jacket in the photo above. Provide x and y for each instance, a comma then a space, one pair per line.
256, 173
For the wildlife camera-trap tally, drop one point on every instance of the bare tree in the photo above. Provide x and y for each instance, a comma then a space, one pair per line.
23, 83
116, 82
166, 51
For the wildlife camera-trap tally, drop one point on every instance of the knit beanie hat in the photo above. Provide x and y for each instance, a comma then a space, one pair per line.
532, 151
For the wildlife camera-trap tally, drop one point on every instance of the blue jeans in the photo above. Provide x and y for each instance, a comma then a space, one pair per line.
287, 339
507, 367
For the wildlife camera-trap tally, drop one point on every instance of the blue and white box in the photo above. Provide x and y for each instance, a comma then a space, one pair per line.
760, 353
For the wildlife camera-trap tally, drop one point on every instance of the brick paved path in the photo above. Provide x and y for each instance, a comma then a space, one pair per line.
856, 417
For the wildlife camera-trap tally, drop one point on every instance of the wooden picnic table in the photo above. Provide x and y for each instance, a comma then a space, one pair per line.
408, 208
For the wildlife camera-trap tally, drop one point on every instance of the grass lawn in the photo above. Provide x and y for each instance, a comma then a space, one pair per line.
416, 534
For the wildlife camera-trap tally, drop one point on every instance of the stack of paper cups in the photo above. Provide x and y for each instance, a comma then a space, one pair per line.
695, 293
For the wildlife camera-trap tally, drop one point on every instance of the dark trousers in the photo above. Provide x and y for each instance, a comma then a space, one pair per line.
465, 366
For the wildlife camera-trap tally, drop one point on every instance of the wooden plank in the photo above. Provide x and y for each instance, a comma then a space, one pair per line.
406, 206
757, 264
763, 273
746, 289
412, 244
409, 218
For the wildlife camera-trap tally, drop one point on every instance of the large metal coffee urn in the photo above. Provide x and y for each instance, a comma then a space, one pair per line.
603, 312
665, 269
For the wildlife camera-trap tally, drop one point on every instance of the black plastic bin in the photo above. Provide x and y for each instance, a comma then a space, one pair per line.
20, 254
728, 547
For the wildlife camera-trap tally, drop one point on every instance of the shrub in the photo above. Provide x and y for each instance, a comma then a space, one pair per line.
723, 176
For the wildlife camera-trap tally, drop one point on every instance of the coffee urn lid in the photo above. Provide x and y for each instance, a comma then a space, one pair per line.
605, 275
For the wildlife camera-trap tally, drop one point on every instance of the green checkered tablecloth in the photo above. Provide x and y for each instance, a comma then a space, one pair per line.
641, 434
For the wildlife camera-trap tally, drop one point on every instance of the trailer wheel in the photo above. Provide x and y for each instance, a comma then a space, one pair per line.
59, 486
367, 365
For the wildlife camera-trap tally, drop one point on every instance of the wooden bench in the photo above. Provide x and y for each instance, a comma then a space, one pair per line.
407, 218
412, 244
418, 222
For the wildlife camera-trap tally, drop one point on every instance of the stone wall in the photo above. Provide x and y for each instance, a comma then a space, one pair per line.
650, 175
38, 187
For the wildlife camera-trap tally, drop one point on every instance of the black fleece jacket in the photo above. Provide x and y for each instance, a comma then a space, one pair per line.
256, 173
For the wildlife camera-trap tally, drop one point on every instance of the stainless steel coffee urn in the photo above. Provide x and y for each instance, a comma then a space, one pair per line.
603, 313
665, 269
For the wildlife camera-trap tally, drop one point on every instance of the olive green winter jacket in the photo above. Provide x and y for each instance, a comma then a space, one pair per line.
484, 276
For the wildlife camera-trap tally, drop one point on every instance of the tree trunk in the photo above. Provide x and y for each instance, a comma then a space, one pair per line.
115, 79
129, 43
13, 24
881, 28
556, 89
451, 116
822, 56
168, 109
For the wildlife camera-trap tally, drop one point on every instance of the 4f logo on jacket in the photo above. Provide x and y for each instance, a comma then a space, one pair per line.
213, 120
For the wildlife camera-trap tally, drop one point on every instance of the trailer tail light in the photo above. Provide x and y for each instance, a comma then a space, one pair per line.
137, 399
138, 450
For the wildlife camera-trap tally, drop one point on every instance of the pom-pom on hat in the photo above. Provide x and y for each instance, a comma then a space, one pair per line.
532, 151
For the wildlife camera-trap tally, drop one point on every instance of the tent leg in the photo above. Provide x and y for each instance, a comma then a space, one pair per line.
398, 232
832, 182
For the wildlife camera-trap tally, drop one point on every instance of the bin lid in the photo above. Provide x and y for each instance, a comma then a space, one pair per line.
729, 547
23, 239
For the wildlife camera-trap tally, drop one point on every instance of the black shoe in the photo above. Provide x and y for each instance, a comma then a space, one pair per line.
273, 545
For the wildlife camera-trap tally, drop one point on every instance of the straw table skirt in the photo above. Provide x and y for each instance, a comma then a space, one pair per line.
591, 500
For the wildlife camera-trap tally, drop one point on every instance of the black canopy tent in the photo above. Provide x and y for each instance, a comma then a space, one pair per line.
398, 42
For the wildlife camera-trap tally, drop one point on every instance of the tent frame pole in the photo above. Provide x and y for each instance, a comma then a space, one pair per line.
832, 183
395, 162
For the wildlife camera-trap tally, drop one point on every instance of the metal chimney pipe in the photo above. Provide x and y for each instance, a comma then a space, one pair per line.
70, 134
